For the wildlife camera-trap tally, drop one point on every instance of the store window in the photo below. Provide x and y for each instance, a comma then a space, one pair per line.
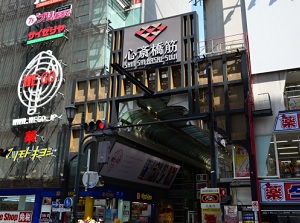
282, 158
266, 157
17, 203
287, 147
140, 212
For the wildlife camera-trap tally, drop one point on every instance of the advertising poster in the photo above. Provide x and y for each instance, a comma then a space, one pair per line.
133, 165
100, 212
213, 215
231, 214
294, 103
242, 165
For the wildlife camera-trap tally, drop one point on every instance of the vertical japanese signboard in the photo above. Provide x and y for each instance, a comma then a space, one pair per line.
210, 198
210, 205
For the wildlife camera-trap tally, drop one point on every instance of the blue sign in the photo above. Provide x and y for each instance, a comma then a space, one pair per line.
68, 202
55, 204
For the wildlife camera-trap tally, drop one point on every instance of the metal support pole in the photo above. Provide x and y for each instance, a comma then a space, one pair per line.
77, 174
211, 123
66, 173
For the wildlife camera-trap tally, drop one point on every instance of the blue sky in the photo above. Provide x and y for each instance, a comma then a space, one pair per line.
199, 10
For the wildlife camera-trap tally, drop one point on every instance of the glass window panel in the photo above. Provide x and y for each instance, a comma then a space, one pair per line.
80, 43
265, 156
234, 69
287, 145
82, 14
11, 203
102, 111
9, 33
151, 78
22, 30
96, 51
80, 60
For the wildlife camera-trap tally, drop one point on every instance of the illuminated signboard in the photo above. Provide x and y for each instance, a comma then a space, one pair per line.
43, 3
35, 119
55, 36
132, 165
38, 85
142, 196
287, 121
15, 216
46, 34
280, 191
31, 152
59, 13
152, 43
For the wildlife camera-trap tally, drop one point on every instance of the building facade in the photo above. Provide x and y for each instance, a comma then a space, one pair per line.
45, 47
274, 86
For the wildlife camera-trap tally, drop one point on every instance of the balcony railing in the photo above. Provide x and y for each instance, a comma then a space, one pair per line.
221, 45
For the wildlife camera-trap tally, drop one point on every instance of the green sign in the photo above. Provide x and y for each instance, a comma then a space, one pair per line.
55, 36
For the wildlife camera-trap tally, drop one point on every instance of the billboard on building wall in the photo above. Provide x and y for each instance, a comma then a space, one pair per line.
154, 43
130, 164
273, 39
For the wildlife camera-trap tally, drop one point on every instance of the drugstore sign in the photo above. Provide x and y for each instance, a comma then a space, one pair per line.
280, 191
155, 43
289, 121
15, 216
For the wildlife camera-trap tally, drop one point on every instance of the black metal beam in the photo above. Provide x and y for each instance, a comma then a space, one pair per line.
202, 117
132, 79
211, 125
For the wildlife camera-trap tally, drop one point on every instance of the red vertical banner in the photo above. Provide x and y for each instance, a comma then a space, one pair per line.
137, 1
